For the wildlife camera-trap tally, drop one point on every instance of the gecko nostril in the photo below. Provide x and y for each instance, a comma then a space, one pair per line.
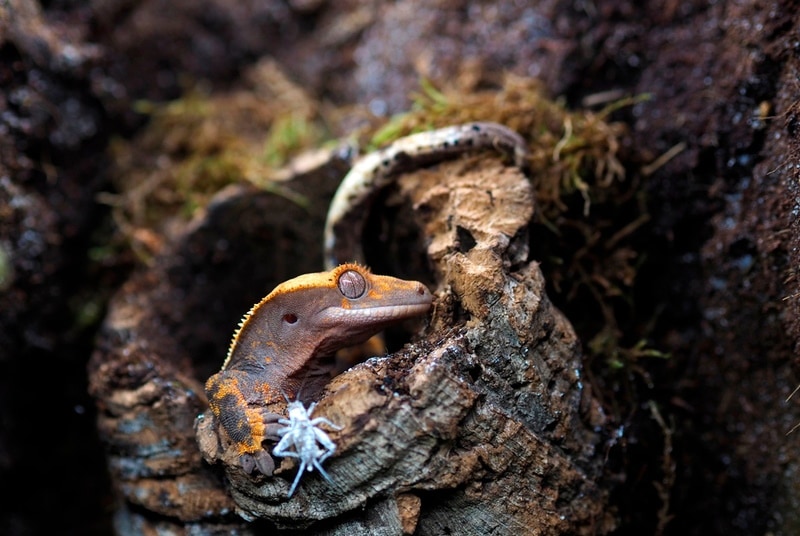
290, 318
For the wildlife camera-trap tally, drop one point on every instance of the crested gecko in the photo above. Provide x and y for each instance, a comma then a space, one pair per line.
283, 341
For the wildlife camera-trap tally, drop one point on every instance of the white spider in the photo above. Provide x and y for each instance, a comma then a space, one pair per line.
311, 445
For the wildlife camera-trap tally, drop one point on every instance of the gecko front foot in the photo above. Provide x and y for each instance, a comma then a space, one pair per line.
236, 445
260, 460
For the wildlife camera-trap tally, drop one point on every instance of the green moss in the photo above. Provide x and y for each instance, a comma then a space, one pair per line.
195, 146
287, 136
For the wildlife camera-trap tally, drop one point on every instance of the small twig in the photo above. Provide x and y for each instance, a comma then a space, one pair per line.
674, 151
668, 467
793, 393
788, 398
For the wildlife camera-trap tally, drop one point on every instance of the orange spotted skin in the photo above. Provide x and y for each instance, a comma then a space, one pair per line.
282, 342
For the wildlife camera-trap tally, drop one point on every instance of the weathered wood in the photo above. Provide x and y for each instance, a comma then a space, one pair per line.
482, 425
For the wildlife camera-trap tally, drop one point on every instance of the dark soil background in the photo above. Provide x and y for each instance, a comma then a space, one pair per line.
723, 247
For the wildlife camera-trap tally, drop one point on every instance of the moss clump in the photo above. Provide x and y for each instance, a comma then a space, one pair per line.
571, 151
193, 147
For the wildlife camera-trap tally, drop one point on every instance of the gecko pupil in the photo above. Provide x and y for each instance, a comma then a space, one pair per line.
352, 284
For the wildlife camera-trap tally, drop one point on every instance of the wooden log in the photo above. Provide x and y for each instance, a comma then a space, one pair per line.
482, 424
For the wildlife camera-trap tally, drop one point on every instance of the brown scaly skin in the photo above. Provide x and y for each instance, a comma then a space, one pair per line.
282, 342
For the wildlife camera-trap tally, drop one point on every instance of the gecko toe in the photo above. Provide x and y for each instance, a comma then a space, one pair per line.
271, 432
264, 463
248, 463
270, 417
260, 460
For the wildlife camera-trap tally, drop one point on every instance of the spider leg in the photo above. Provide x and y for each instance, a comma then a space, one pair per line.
282, 448
326, 442
324, 455
285, 453
317, 464
297, 478
323, 420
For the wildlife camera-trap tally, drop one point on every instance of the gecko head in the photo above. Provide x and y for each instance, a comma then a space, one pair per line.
343, 307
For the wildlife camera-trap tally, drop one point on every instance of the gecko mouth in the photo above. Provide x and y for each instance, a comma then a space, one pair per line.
384, 313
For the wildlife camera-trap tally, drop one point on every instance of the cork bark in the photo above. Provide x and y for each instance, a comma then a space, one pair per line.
480, 424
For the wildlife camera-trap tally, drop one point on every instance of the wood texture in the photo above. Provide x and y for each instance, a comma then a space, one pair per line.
482, 424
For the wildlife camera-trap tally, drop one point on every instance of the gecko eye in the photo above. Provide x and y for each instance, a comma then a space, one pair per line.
290, 318
352, 284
